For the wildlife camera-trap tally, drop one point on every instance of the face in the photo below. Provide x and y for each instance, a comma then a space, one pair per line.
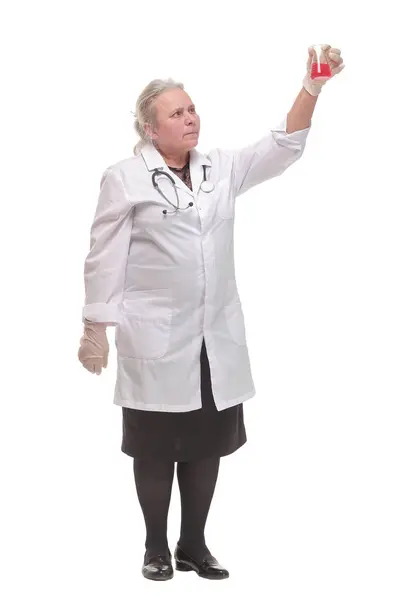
177, 123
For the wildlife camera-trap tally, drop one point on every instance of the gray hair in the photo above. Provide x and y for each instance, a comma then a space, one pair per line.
145, 112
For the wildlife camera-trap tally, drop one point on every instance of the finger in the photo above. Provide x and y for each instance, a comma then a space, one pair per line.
105, 360
336, 58
325, 47
335, 51
92, 364
338, 69
97, 369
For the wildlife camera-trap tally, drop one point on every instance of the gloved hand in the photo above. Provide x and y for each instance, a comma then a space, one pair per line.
336, 65
94, 348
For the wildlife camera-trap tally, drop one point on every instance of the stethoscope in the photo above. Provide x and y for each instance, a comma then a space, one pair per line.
206, 186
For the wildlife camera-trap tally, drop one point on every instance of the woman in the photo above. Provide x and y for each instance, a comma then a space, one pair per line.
161, 269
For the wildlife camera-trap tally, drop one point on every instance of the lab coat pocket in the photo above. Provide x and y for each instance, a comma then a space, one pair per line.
144, 329
235, 323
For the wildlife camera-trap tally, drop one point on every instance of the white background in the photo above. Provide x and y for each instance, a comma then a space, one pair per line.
309, 508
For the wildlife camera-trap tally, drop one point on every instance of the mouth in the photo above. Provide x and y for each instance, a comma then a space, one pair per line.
192, 133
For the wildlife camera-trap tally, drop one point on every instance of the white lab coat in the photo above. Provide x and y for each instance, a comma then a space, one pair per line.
167, 281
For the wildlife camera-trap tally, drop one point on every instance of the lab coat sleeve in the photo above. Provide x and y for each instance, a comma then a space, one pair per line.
105, 265
267, 158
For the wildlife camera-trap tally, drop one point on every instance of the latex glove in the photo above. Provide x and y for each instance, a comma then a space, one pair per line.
335, 62
94, 347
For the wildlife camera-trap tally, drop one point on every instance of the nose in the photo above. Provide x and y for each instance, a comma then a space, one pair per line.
189, 119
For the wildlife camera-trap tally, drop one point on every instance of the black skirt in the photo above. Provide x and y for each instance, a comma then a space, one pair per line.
185, 436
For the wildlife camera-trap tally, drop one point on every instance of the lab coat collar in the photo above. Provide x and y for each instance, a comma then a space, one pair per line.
154, 160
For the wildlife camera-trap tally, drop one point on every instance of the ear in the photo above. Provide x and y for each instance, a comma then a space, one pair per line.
149, 131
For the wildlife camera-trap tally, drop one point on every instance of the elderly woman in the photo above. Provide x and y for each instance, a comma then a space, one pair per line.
161, 270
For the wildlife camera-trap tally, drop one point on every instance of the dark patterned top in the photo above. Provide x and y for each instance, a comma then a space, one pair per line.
183, 173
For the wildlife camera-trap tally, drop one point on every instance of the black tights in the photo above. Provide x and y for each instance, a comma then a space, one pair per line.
197, 480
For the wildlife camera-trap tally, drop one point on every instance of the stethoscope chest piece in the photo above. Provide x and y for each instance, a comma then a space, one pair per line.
207, 186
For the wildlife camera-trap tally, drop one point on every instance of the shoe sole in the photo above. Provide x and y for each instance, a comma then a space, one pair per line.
158, 579
185, 567
155, 578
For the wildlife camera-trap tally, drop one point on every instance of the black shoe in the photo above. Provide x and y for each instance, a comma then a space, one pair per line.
158, 567
209, 567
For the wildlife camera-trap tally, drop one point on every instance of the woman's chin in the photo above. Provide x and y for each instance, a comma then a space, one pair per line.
191, 140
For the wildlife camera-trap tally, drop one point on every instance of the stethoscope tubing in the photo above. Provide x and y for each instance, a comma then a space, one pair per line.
206, 186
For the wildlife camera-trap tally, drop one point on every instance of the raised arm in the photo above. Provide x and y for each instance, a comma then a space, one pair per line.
271, 155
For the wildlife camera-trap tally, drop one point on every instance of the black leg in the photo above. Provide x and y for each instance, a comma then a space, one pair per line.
154, 478
197, 481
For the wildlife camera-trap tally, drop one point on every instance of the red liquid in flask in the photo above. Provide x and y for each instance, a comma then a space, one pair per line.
320, 70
